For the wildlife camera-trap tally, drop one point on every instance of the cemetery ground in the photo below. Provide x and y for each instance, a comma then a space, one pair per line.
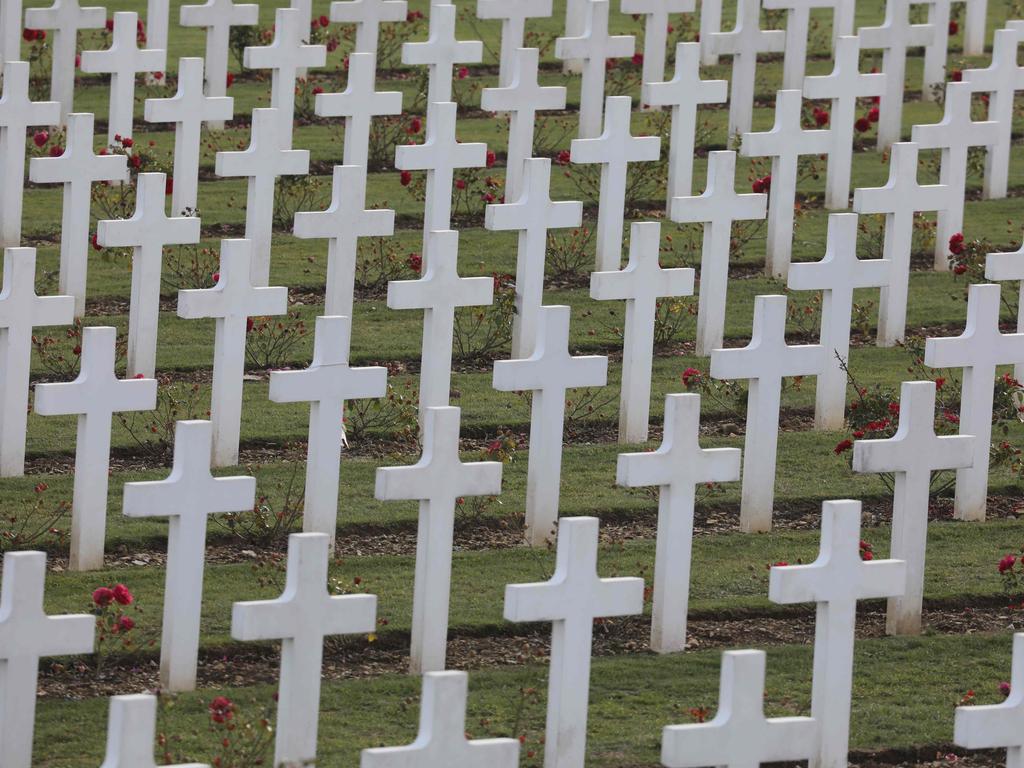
904, 688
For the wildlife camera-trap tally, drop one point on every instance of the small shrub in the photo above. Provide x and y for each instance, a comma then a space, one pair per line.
43, 525
271, 341
482, 332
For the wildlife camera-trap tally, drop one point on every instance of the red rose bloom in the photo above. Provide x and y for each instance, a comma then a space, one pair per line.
873, 115
405, 178
491, 158
863, 124
842, 447
122, 595
953, 27
221, 709
40, 138
124, 624
956, 244
103, 596
1007, 563
324, 21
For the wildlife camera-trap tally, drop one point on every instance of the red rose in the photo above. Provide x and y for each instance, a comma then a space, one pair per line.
405, 178
1007, 563
414, 262
249, 324
953, 27
463, 73
638, 59
123, 595
124, 624
103, 596
488, 197
158, 75
460, 183
230, 79
956, 243
169, 185
324, 21
863, 124
56, 150
127, 142
873, 115
77, 351
940, 383
821, 117
956, 76
757, 186
28, 34
96, 242
110, 25
564, 156
40, 138
842, 447
491, 158
690, 376
221, 709
415, 125
959, 269
317, 91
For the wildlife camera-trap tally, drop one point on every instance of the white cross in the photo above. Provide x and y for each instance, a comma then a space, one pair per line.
900, 198
937, 52
301, 618
288, 54
655, 32
676, 467
549, 372
95, 396
10, 31
442, 740
20, 311
77, 168
188, 109
439, 292
979, 350
187, 497
64, 18
1010, 266
368, 15
439, 155
997, 725
798, 20
837, 275
342, 224
765, 362
231, 302
710, 22
739, 736
593, 48
123, 60
683, 93
614, 150
441, 52
912, 454
571, 600
954, 135
513, 28
27, 634
146, 233
437, 480
359, 103
894, 37
326, 385
218, 17
267, 157
784, 144
843, 87
533, 213
718, 207
743, 43
835, 581
522, 98
575, 25
975, 23
17, 113
131, 733
640, 284
158, 19
1001, 79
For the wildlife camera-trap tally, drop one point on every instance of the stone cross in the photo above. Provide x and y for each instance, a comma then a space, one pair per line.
900, 198
285, 57
442, 740
641, 284
954, 135
146, 233
123, 60
575, 25
326, 385
997, 725
21, 310
301, 618
64, 18
837, 276
131, 733
533, 213
844, 86
218, 17
513, 28
441, 52
571, 600
765, 362
1009, 266
614, 150
27, 634
979, 350
549, 372
744, 43
439, 155
683, 93
593, 48
798, 20
95, 396
835, 581
158, 19
188, 109
521, 98
1001, 79
937, 52
231, 302
439, 292
912, 454
784, 144
359, 103
975, 22
368, 15
10, 31
676, 468
437, 480
894, 37
188, 496
740, 735
710, 22
718, 207
267, 157
17, 113
342, 224
656, 13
